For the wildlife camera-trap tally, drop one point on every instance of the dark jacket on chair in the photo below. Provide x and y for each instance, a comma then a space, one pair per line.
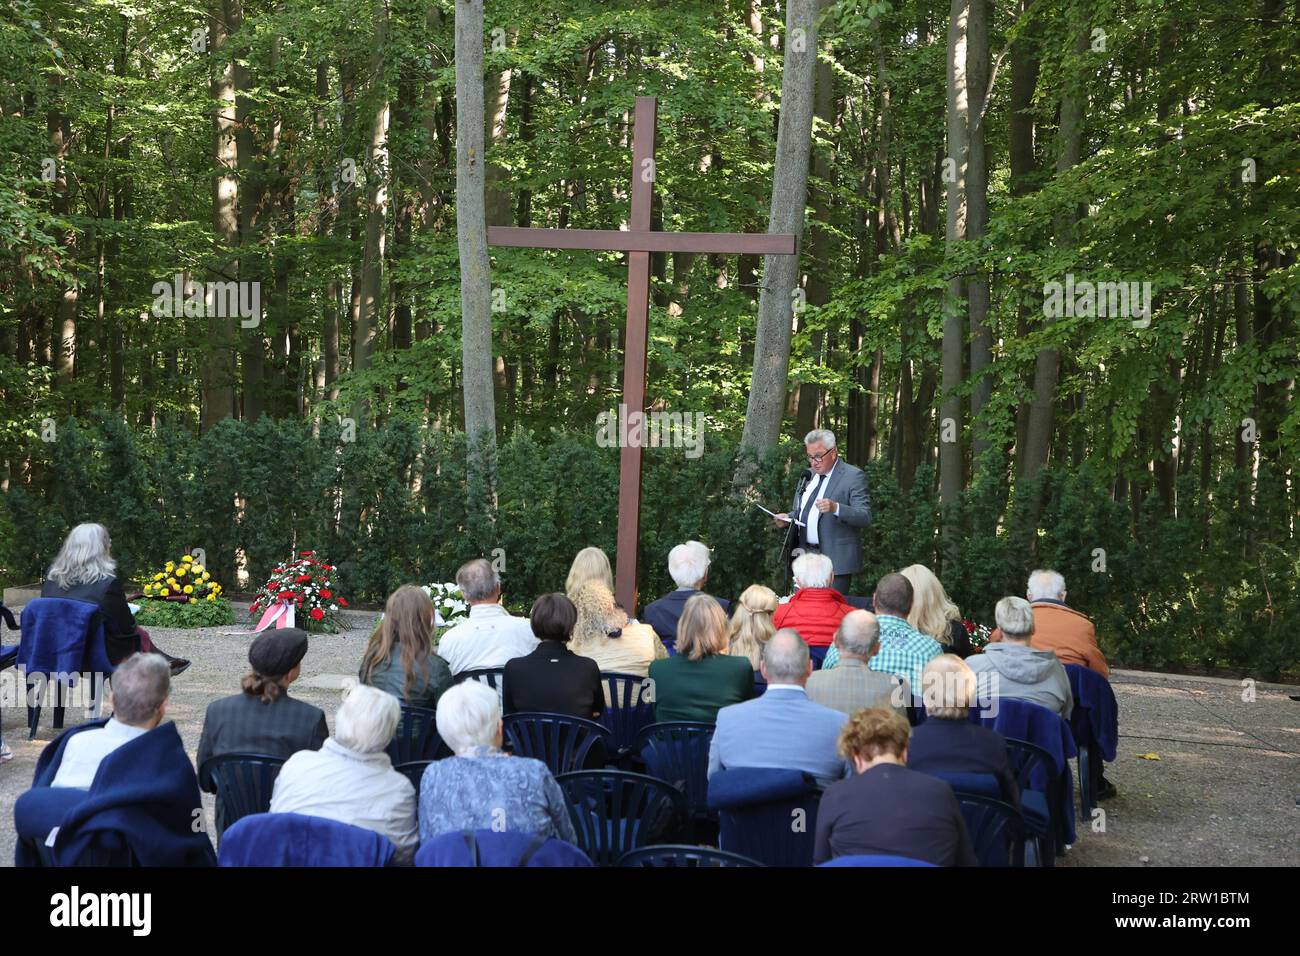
144, 796
959, 746
555, 680
893, 811
120, 638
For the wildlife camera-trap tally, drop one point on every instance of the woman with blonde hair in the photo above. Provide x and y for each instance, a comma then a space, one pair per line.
590, 564
751, 623
703, 677
602, 632
399, 657
933, 614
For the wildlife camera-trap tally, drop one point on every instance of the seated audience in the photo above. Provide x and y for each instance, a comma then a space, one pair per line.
702, 677
1058, 628
84, 570
852, 685
947, 741
553, 678
1012, 668
885, 808
783, 729
602, 632
141, 685
751, 624
128, 774
590, 564
350, 779
688, 566
482, 788
264, 719
816, 609
904, 651
492, 635
933, 614
399, 658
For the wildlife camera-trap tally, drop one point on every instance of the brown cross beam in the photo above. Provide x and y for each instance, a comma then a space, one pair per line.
638, 241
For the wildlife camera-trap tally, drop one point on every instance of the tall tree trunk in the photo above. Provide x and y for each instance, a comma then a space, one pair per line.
1024, 81
954, 337
64, 340
471, 237
326, 221
1047, 367
217, 371
786, 215
977, 185
377, 172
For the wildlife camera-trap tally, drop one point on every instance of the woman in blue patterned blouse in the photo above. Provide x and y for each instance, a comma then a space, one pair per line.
482, 788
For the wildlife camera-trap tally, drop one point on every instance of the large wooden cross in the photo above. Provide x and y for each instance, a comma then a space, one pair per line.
638, 241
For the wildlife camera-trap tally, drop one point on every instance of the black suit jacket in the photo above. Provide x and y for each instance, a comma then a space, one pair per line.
664, 613
893, 811
554, 679
242, 723
959, 746
120, 638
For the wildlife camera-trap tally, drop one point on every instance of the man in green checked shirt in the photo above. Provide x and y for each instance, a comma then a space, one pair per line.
903, 649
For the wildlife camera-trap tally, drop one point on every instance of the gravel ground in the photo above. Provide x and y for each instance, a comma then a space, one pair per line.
1225, 791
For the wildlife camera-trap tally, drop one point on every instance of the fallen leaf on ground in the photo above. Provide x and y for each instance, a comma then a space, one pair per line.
1148, 756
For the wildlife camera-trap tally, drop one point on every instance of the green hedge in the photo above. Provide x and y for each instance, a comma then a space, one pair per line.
1215, 587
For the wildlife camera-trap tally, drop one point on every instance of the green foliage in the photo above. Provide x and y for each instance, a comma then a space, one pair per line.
175, 614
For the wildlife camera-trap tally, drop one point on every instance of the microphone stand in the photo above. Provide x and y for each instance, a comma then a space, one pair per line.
791, 535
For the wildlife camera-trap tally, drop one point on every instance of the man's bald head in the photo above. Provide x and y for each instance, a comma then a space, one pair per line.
858, 635
785, 658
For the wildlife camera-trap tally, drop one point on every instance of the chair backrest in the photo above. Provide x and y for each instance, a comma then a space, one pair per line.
244, 783
777, 826
417, 737
295, 839
108, 849
62, 636
1046, 729
413, 770
1032, 765
875, 860
995, 829
684, 855
558, 740
630, 707
494, 677
614, 811
1095, 720
980, 784
479, 848
678, 751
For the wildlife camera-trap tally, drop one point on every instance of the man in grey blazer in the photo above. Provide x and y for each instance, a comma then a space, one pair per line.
783, 729
832, 507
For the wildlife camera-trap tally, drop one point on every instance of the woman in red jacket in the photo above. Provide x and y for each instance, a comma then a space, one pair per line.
816, 609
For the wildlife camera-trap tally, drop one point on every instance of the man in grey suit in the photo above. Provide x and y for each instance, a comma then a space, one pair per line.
852, 685
832, 506
783, 729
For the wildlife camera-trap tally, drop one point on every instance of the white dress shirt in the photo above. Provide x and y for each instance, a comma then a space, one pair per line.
359, 789
813, 514
490, 637
85, 751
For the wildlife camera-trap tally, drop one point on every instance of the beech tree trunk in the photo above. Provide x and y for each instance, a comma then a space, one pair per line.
786, 215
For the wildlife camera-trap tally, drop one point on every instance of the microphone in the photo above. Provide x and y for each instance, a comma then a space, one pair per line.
806, 476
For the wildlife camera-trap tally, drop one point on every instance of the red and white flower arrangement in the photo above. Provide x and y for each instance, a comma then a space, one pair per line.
308, 584
979, 634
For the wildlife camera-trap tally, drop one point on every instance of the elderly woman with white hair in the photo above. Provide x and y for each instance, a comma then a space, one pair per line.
481, 787
816, 608
351, 779
84, 570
